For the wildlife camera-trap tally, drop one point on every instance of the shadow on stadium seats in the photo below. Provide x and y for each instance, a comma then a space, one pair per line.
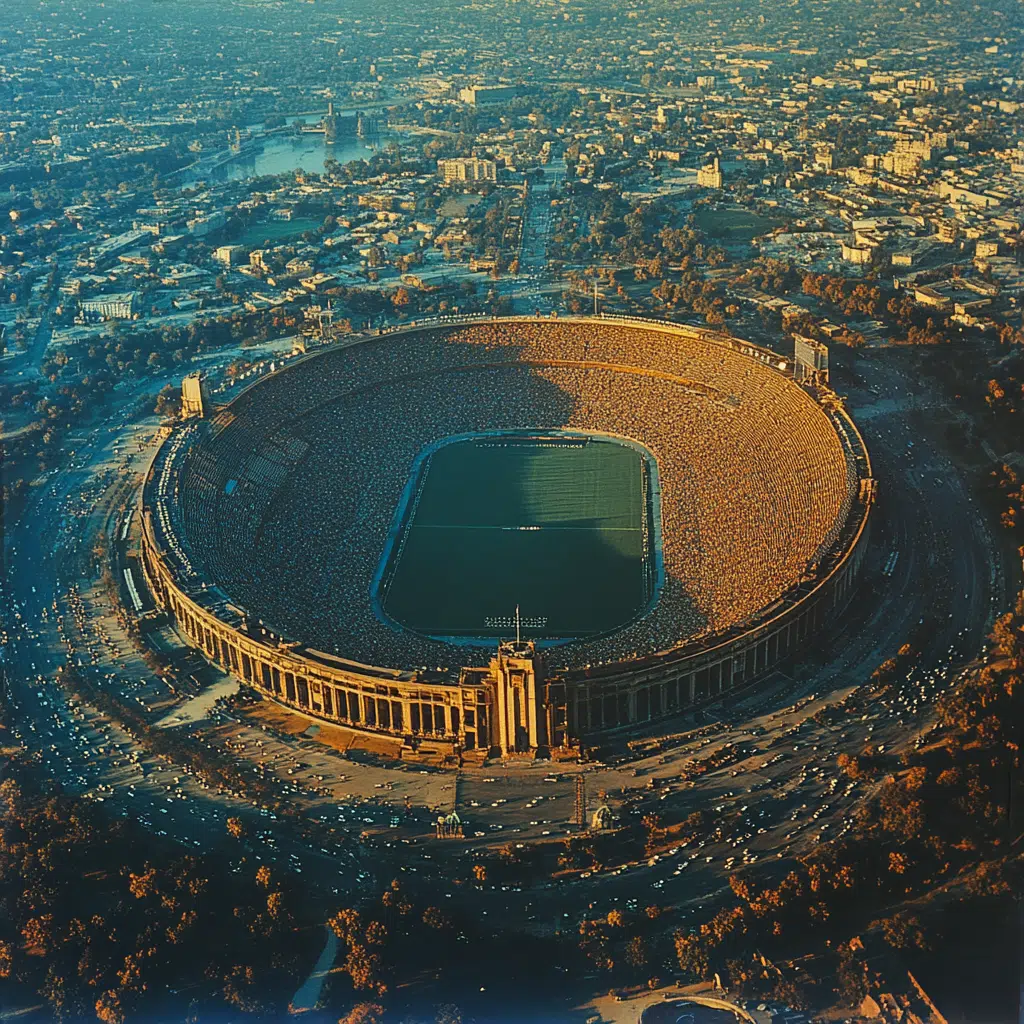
287, 500
674, 595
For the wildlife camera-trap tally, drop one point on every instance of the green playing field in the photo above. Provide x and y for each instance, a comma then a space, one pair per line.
554, 524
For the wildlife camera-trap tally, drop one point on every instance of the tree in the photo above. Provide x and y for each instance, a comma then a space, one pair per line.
143, 885
740, 888
904, 931
636, 952
791, 993
275, 905
10, 798
109, 1009
852, 977
235, 827
54, 991
851, 765
434, 917
692, 956
168, 401
363, 968
364, 1013
37, 935
898, 862
652, 826
346, 924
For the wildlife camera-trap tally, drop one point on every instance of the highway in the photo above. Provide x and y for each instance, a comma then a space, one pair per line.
49, 551
785, 795
775, 793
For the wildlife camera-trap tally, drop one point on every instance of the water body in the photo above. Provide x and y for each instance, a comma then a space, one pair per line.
285, 153
282, 154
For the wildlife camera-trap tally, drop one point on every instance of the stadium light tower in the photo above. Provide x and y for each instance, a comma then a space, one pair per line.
325, 319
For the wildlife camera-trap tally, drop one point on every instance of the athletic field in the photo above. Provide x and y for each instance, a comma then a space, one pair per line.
555, 525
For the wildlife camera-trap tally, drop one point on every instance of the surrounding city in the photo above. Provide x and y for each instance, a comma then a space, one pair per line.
201, 202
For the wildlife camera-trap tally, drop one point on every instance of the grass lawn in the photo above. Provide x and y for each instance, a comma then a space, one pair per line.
552, 524
276, 231
732, 223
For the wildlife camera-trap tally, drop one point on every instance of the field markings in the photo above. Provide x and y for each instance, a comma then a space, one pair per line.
530, 529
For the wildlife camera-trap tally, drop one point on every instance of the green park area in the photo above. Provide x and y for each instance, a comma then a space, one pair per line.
732, 223
276, 231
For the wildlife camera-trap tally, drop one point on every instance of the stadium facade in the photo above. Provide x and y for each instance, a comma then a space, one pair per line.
211, 489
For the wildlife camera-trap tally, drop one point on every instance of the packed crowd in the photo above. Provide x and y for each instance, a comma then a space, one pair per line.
754, 482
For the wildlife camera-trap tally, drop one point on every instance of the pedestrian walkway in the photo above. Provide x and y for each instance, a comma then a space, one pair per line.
308, 995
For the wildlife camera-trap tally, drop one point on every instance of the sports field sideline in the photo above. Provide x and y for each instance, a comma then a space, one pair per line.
554, 525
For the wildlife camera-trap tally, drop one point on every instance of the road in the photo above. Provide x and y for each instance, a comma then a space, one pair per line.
786, 795
775, 792
30, 362
49, 551
534, 288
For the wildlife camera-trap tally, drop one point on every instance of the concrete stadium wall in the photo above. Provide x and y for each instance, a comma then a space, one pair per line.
360, 697
580, 706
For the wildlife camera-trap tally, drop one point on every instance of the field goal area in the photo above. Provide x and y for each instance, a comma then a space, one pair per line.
561, 526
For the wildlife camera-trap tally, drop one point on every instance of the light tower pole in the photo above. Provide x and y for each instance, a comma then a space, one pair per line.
579, 811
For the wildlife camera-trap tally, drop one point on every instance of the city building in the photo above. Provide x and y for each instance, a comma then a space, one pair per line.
194, 399
467, 169
487, 95
810, 360
231, 255
115, 306
857, 252
205, 225
710, 175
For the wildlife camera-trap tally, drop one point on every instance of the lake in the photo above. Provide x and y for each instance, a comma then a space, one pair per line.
282, 154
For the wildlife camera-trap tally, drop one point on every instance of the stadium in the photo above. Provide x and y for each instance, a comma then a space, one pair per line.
515, 534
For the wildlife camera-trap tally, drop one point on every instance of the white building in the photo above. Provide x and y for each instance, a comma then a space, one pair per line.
467, 169
116, 306
710, 175
487, 95
231, 255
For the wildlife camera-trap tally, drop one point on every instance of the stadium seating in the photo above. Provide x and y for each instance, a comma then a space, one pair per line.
755, 481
